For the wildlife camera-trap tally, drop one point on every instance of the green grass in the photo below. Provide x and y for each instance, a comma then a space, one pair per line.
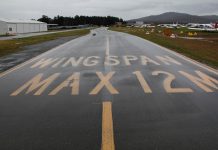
15, 45
205, 51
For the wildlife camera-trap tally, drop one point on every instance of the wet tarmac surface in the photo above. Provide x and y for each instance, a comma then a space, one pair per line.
112, 90
29, 52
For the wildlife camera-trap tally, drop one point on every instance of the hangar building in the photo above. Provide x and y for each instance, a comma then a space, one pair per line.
21, 26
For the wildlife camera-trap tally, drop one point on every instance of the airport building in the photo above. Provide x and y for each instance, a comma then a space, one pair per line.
21, 26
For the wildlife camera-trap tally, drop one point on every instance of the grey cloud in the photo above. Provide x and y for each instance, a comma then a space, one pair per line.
199, 8
126, 9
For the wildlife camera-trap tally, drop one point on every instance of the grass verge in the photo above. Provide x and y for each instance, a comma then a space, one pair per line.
204, 50
15, 45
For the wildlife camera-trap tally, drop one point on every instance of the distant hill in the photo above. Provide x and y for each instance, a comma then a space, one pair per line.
170, 17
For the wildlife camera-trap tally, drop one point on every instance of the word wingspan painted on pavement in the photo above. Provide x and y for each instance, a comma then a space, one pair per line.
91, 61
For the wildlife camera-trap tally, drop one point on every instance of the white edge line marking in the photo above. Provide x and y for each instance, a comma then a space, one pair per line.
212, 70
34, 58
188, 59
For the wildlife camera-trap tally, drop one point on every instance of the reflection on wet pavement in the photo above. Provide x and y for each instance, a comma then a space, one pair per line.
29, 52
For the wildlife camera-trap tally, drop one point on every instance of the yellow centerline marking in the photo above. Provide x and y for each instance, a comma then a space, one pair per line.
107, 127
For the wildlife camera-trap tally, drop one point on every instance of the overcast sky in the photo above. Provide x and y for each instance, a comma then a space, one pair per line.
126, 9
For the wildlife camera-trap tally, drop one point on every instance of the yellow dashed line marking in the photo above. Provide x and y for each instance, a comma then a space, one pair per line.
107, 127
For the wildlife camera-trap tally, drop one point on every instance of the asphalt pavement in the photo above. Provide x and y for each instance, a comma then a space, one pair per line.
30, 51
109, 91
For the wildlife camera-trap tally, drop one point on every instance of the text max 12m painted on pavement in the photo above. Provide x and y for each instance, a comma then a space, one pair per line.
39, 83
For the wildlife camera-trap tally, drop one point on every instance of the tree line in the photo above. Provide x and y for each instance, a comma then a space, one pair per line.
81, 20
